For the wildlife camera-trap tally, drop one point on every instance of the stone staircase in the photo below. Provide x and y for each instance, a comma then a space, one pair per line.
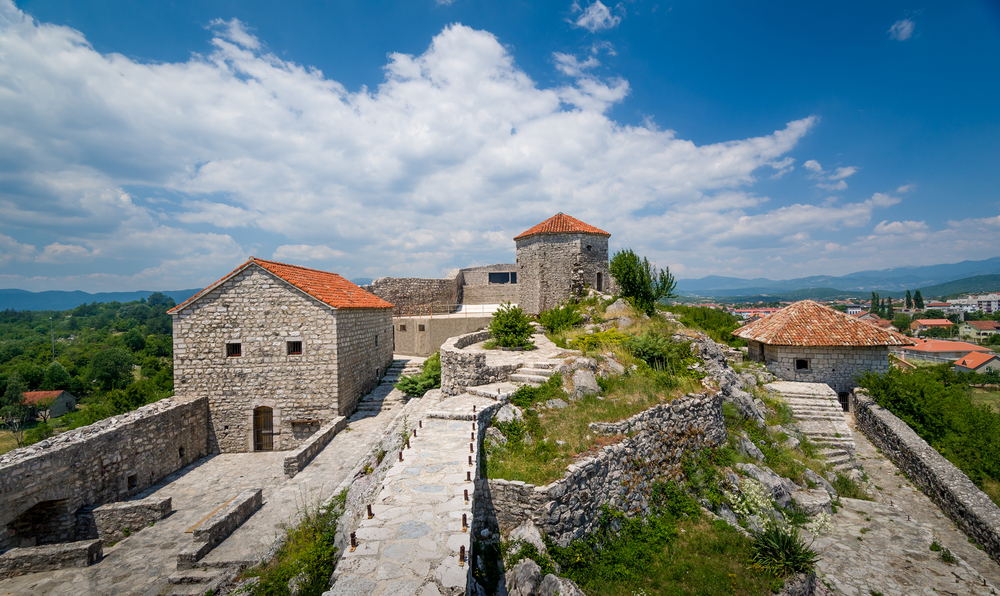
535, 373
196, 582
820, 418
384, 397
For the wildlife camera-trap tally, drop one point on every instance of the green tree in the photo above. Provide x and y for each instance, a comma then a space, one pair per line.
111, 368
902, 321
875, 304
640, 282
13, 396
909, 300
56, 378
134, 340
510, 327
918, 300
889, 314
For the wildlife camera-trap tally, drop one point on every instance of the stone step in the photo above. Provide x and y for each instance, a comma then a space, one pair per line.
547, 365
493, 390
195, 576
529, 379
538, 372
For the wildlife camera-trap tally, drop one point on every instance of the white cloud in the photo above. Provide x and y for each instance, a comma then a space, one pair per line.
12, 250
813, 166
235, 31
902, 30
305, 252
841, 173
900, 227
569, 65
906, 188
839, 185
596, 17
829, 180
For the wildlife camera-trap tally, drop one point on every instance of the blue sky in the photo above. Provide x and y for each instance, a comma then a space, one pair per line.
157, 145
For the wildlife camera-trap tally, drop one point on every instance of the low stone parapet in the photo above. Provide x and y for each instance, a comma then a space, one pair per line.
215, 529
21, 561
115, 521
961, 500
298, 459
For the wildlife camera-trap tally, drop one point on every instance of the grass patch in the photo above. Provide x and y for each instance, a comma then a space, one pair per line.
849, 489
983, 397
308, 553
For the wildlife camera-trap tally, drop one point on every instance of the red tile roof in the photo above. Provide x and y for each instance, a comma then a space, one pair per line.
975, 359
942, 345
33, 397
933, 322
560, 223
807, 323
985, 325
326, 287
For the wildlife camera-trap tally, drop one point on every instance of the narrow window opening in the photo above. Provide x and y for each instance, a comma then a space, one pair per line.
180, 452
133, 481
233, 350
402, 327
420, 327
600, 280
294, 348
801, 364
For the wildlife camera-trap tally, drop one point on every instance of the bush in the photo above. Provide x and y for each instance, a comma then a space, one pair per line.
640, 282
660, 352
719, 325
781, 551
592, 341
560, 318
39, 433
511, 328
429, 378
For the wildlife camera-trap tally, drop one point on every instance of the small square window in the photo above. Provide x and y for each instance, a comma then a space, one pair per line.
402, 327
294, 348
420, 327
233, 350
801, 364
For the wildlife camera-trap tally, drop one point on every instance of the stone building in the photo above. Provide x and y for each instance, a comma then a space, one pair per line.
812, 343
559, 258
278, 350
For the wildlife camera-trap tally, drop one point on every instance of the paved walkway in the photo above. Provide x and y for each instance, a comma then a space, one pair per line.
411, 545
143, 562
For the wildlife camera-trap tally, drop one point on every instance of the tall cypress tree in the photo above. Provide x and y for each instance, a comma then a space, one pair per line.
909, 300
874, 307
889, 314
918, 300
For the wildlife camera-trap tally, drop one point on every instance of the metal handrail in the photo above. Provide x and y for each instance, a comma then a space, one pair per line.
439, 308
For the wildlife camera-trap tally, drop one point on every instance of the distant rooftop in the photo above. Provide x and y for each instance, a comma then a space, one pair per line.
560, 223
808, 323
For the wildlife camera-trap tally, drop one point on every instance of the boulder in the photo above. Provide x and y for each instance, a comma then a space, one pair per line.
747, 447
553, 585
495, 437
524, 578
528, 532
622, 322
821, 482
611, 366
812, 501
792, 443
617, 308
583, 363
799, 585
585, 383
508, 413
556, 403
771, 481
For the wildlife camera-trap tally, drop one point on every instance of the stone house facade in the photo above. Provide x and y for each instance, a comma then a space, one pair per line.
278, 351
812, 343
559, 258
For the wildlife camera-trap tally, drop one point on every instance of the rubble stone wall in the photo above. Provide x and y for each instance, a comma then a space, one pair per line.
104, 462
837, 366
489, 294
415, 291
553, 267
938, 478
115, 521
480, 276
461, 369
621, 475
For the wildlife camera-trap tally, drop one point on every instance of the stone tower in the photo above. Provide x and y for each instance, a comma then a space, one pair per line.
559, 258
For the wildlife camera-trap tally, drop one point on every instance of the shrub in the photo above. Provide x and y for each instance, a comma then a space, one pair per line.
429, 378
511, 328
640, 282
560, 318
781, 551
39, 433
719, 325
659, 351
592, 341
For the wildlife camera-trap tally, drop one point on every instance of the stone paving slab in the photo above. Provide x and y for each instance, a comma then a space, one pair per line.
545, 350
460, 407
411, 546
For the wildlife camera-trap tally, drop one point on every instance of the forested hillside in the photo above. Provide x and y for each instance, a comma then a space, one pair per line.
114, 357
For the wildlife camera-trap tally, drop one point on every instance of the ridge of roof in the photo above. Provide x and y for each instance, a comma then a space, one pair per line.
560, 223
808, 323
329, 288
945, 345
975, 359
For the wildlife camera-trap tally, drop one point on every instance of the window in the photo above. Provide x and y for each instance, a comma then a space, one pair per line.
233, 350
588, 248
402, 327
420, 327
133, 481
600, 281
505, 277
294, 348
801, 364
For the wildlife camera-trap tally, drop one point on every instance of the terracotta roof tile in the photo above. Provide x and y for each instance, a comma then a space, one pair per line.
807, 323
560, 223
985, 325
324, 286
942, 345
975, 359
33, 397
933, 322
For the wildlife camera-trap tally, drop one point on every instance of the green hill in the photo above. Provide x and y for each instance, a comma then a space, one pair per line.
979, 284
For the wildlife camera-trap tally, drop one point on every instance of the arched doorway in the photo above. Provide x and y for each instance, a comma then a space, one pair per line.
263, 429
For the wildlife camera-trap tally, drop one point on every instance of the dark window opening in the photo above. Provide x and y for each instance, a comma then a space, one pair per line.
420, 327
801, 364
233, 350
376, 341
133, 481
180, 452
402, 327
588, 248
845, 400
505, 277
600, 280
294, 348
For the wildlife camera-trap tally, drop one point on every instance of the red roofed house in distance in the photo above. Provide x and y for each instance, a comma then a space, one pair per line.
279, 351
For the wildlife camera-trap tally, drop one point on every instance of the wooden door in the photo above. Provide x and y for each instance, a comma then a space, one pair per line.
263, 430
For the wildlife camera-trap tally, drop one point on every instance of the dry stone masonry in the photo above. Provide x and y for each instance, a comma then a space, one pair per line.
115, 521
553, 267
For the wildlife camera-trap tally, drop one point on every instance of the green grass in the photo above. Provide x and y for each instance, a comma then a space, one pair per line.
983, 397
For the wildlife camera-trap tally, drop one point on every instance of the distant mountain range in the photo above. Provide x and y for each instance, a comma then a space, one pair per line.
59, 300
886, 281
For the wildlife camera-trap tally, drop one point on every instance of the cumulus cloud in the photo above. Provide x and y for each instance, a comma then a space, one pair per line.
596, 17
906, 188
902, 30
235, 31
829, 180
900, 227
305, 252
569, 65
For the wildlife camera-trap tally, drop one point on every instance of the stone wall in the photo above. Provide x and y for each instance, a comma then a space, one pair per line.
406, 292
621, 475
837, 366
108, 461
115, 521
21, 561
553, 267
261, 313
938, 478
480, 276
297, 460
491, 294
461, 369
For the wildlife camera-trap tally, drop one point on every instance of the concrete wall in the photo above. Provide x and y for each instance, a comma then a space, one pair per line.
262, 312
480, 276
837, 366
408, 292
108, 461
938, 478
553, 267
620, 476
490, 294
414, 342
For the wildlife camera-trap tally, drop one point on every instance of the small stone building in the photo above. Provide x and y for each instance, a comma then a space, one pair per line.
812, 343
278, 350
559, 258
61, 401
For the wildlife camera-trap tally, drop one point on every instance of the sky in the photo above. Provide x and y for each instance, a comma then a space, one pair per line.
157, 145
